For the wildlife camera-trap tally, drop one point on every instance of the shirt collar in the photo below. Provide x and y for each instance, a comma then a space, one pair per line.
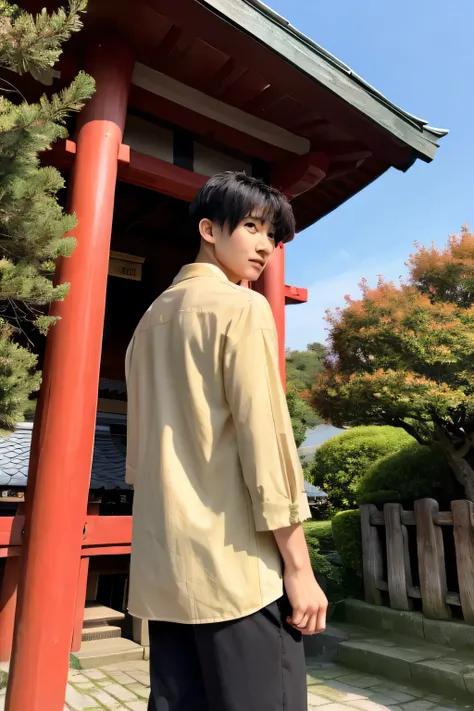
199, 269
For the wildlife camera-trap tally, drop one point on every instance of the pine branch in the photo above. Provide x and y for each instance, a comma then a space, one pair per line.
35, 43
26, 126
32, 221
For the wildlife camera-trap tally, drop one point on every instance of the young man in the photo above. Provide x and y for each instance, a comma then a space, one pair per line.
220, 566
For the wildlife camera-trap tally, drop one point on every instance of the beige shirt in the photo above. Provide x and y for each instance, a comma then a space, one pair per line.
210, 454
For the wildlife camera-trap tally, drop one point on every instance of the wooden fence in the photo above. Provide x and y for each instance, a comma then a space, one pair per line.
400, 547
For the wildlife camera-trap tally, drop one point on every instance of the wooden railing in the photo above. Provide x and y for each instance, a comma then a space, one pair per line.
404, 557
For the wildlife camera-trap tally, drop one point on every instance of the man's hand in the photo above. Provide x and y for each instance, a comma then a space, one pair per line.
307, 600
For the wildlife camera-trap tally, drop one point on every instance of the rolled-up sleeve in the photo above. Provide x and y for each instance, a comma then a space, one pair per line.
267, 450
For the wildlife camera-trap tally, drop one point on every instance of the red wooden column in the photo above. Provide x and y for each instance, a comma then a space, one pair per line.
272, 285
8, 595
81, 592
52, 553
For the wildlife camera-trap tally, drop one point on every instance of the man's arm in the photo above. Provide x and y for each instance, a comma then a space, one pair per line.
268, 454
308, 602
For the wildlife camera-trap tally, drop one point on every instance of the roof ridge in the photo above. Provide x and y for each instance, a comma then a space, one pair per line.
229, 9
286, 24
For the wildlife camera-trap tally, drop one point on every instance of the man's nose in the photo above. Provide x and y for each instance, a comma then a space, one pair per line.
265, 246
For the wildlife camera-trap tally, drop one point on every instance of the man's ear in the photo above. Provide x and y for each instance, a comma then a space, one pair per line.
206, 230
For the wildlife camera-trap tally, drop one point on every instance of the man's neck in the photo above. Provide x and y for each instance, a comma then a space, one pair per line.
211, 261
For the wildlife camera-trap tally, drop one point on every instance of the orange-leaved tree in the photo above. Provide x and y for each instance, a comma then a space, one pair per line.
404, 355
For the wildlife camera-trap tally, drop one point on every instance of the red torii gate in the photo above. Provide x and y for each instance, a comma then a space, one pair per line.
57, 548
350, 143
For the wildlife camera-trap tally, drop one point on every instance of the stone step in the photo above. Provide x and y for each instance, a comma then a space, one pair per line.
100, 653
456, 635
436, 668
101, 631
94, 614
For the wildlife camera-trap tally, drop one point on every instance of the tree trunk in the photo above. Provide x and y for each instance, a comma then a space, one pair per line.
460, 467
463, 472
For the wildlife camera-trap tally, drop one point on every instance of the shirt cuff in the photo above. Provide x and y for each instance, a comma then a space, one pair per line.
272, 515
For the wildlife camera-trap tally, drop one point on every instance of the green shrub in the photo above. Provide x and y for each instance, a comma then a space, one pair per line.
320, 542
415, 472
348, 540
337, 580
319, 533
341, 462
321, 566
328, 574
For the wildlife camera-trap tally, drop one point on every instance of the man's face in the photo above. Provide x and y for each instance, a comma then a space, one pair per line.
243, 254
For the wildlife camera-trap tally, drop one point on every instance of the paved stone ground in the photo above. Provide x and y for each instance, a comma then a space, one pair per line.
125, 687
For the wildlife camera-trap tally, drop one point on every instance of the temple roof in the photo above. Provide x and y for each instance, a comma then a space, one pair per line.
277, 33
108, 465
235, 79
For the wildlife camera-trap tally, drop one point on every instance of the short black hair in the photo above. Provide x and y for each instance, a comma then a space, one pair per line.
227, 198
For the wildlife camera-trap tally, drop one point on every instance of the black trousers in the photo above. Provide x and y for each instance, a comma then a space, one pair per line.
252, 664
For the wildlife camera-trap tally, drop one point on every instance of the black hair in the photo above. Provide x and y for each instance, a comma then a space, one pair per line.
227, 198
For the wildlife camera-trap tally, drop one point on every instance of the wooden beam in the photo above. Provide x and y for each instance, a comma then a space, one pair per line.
195, 100
156, 174
140, 169
62, 154
99, 530
106, 550
10, 551
298, 175
295, 295
107, 531
151, 106
347, 150
11, 528
340, 168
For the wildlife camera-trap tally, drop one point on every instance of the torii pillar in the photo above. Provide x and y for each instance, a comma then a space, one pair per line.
65, 438
272, 285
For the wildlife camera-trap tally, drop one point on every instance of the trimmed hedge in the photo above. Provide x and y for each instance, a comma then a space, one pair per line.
415, 472
341, 462
321, 566
319, 538
319, 534
337, 580
347, 536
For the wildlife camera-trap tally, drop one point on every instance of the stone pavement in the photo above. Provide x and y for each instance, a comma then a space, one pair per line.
125, 687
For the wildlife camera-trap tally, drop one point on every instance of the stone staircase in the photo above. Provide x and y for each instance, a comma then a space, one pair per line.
401, 646
102, 641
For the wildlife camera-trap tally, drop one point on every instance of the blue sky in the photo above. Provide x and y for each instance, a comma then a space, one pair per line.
419, 54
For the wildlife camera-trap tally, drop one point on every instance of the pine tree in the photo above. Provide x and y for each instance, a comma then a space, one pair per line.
33, 224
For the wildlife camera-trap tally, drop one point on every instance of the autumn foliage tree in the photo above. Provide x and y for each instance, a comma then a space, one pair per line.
404, 355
